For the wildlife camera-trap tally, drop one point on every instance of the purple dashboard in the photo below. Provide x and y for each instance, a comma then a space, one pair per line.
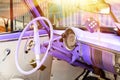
90, 46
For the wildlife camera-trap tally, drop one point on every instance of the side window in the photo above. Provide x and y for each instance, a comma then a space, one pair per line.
14, 16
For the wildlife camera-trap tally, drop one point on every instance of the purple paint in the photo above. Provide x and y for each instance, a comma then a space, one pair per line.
12, 36
86, 54
32, 7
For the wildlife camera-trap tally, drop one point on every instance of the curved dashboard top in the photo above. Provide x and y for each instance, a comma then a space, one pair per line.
110, 41
14, 36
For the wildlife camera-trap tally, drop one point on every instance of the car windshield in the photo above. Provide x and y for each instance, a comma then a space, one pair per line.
61, 13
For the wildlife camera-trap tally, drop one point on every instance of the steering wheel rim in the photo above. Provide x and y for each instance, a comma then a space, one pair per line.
39, 64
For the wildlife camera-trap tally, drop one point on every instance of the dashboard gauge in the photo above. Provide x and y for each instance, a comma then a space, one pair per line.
69, 39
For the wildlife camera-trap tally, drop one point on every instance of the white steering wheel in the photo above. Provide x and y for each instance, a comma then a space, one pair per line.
36, 46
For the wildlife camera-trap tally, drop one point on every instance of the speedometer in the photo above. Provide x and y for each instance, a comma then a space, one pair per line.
69, 39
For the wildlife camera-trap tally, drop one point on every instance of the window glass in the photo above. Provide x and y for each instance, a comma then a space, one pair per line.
21, 15
61, 13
